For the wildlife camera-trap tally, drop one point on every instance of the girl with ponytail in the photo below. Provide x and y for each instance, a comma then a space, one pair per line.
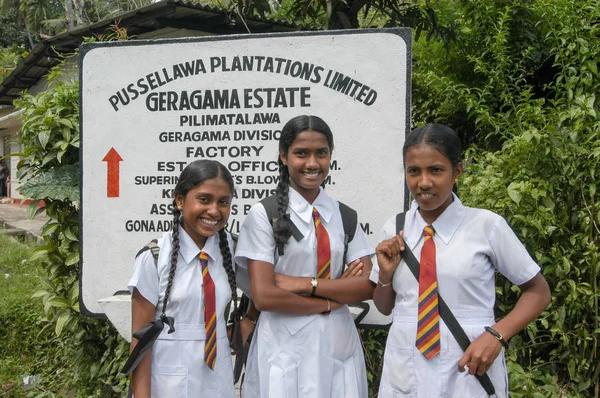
305, 343
191, 282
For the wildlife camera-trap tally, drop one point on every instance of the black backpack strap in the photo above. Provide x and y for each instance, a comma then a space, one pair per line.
445, 313
270, 205
154, 249
349, 221
400, 217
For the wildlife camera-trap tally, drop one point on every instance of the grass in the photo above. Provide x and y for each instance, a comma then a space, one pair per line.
27, 347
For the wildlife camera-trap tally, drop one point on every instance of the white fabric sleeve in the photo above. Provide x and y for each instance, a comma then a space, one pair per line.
359, 246
510, 257
145, 277
256, 240
388, 230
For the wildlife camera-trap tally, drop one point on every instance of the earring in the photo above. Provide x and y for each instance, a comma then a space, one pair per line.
455, 180
179, 207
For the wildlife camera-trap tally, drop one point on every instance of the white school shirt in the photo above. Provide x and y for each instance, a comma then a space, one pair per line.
471, 245
317, 356
178, 368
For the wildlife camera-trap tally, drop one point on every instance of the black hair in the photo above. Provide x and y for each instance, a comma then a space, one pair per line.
193, 175
439, 136
282, 226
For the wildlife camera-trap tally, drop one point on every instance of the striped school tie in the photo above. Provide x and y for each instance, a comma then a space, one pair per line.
428, 330
323, 248
210, 314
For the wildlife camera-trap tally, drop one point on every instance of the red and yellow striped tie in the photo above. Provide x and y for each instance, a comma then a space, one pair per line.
428, 330
210, 314
323, 248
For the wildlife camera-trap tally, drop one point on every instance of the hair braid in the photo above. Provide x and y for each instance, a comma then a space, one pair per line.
282, 228
174, 254
228, 265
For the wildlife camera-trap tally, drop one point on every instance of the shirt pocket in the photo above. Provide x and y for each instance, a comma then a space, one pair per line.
399, 361
169, 381
283, 382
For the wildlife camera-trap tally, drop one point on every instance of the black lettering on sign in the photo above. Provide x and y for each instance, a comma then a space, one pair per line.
334, 165
223, 151
256, 193
171, 166
253, 165
155, 180
148, 225
366, 228
328, 181
279, 97
247, 208
259, 180
346, 85
193, 136
256, 135
229, 119
162, 208
168, 193
234, 209
233, 226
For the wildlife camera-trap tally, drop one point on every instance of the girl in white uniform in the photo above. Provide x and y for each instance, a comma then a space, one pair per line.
176, 365
305, 343
470, 246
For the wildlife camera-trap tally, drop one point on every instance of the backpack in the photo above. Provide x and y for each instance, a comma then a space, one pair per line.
349, 221
154, 249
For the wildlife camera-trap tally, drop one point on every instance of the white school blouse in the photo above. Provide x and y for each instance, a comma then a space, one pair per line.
471, 245
317, 356
178, 368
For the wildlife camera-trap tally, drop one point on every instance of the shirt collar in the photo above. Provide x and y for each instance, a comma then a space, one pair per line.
189, 250
303, 209
445, 225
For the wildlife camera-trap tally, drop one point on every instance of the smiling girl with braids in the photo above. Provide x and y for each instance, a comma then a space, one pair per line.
305, 343
192, 282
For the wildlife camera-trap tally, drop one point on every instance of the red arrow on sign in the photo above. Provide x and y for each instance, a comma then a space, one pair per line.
112, 160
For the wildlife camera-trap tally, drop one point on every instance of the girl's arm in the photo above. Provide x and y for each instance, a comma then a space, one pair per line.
345, 290
142, 312
389, 255
482, 352
267, 296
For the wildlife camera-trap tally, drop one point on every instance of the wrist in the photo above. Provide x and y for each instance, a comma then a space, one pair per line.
385, 278
497, 335
314, 282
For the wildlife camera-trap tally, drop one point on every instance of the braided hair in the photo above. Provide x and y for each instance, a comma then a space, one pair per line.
282, 226
193, 175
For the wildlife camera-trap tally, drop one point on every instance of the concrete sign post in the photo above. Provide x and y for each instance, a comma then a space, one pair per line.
150, 107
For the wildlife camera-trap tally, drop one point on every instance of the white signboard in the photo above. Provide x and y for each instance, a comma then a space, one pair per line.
150, 107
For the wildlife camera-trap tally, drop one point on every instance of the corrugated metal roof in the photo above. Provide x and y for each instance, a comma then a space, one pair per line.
161, 15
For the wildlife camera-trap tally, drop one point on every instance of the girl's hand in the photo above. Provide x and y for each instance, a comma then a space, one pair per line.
481, 354
355, 268
389, 255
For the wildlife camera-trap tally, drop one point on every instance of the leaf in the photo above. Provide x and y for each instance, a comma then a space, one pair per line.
72, 258
514, 194
61, 322
71, 236
60, 183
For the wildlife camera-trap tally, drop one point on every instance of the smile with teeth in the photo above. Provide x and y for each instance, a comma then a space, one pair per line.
311, 175
426, 195
209, 222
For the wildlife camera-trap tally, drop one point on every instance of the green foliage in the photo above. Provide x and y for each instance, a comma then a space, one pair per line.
519, 82
11, 33
50, 166
373, 342
9, 58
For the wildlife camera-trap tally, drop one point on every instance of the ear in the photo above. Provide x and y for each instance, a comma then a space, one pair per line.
458, 171
179, 200
283, 157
